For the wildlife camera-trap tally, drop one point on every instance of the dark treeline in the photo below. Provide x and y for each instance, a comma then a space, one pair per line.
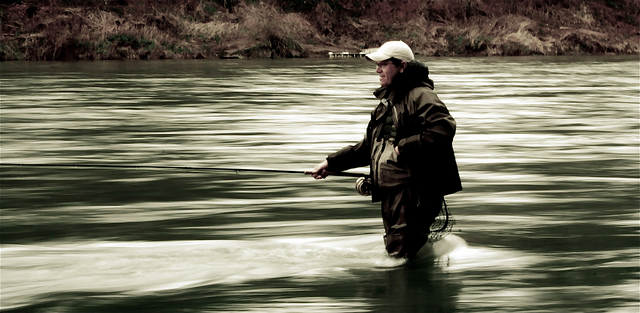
141, 29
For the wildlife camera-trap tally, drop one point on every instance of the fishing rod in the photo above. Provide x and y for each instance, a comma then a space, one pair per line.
363, 183
185, 168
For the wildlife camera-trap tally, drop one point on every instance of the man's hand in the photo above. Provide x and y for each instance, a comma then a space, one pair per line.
320, 171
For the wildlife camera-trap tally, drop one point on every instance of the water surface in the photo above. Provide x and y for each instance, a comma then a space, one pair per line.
548, 150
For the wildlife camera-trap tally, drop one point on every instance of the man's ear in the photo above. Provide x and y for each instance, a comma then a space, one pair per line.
403, 66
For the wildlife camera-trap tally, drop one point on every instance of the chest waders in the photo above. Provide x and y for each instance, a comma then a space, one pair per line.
406, 214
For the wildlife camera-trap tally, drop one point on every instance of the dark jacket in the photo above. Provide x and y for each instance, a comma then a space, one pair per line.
424, 132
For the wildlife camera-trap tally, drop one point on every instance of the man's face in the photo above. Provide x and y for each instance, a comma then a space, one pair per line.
387, 71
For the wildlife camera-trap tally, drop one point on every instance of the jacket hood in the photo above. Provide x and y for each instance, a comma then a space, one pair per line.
416, 74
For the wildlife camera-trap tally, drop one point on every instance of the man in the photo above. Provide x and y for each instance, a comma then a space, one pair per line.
408, 146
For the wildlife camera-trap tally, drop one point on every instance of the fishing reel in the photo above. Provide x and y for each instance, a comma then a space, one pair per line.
363, 186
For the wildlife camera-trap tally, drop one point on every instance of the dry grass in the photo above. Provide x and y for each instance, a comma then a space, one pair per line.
531, 27
201, 29
88, 34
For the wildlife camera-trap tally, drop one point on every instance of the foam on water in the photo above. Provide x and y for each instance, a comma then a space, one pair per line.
30, 271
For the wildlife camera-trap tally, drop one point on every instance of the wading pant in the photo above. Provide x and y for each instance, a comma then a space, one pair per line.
407, 217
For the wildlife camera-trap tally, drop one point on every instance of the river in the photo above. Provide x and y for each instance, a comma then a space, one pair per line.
548, 150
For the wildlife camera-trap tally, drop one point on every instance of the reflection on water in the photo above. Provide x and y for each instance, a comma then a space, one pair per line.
548, 150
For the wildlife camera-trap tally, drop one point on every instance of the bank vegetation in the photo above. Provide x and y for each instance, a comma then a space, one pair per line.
182, 29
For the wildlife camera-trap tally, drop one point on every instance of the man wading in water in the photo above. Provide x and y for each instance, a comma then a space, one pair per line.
408, 146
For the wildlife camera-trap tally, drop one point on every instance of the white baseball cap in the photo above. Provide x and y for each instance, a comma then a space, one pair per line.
392, 49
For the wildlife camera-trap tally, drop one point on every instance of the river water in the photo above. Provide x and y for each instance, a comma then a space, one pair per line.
548, 150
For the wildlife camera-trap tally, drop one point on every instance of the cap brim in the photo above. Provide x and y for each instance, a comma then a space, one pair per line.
377, 56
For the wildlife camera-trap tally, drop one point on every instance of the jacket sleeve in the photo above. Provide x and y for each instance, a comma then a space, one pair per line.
350, 157
427, 125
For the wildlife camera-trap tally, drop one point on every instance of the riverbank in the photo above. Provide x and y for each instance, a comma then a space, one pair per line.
192, 29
